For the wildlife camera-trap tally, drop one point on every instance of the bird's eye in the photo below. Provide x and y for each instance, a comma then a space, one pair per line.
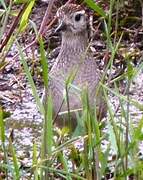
78, 17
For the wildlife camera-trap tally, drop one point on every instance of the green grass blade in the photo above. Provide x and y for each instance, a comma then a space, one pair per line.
44, 63
3, 4
3, 28
65, 165
95, 7
47, 139
49, 125
25, 16
2, 127
35, 161
15, 161
31, 82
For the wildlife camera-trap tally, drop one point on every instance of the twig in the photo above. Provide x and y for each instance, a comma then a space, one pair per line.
13, 26
42, 29
46, 17
50, 25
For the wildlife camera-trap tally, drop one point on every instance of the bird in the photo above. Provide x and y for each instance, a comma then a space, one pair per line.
74, 65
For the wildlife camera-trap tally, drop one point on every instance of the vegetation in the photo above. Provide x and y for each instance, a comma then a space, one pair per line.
108, 149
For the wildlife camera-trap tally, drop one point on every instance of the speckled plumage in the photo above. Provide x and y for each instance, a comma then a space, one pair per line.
68, 10
74, 58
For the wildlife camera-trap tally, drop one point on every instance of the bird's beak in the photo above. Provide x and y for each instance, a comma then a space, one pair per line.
61, 27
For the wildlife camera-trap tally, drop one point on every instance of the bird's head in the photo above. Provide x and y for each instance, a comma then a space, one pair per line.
72, 18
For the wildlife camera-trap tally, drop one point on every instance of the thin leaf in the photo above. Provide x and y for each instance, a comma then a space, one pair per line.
31, 82
25, 16
95, 7
3, 4
15, 161
2, 128
43, 62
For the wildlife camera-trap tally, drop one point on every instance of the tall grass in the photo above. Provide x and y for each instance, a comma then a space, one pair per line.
60, 157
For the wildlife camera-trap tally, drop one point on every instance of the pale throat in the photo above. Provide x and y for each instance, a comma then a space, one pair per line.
75, 43
73, 49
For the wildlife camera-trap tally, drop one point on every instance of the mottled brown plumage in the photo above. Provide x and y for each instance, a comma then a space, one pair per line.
74, 59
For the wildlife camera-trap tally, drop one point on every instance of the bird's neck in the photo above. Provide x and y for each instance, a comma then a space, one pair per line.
73, 44
72, 53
